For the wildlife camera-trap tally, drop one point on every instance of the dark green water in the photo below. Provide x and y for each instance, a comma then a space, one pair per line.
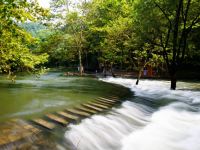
30, 96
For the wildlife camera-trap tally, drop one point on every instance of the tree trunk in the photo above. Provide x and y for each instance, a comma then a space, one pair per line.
173, 81
111, 69
104, 70
139, 75
86, 57
80, 63
175, 42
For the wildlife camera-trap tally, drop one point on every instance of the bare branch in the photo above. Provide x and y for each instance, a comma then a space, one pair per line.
164, 46
187, 9
176, 31
168, 35
165, 55
165, 14
194, 22
182, 13
184, 34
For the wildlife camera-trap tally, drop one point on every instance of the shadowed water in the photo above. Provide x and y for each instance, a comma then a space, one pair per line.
155, 118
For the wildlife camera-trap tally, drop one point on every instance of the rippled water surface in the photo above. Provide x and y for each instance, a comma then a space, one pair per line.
154, 118
151, 117
30, 96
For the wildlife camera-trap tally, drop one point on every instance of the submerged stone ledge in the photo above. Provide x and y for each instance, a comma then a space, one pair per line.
15, 134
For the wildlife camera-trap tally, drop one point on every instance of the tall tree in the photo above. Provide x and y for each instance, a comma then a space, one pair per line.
171, 22
107, 21
75, 27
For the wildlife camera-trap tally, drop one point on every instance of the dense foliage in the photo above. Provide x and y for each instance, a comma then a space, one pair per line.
15, 41
102, 35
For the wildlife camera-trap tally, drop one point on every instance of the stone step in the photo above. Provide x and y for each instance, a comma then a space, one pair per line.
44, 123
98, 105
68, 116
19, 130
32, 128
105, 101
105, 104
112, 97
78, 112
110, 100
86, 110
92, 107
57, 119
16, 130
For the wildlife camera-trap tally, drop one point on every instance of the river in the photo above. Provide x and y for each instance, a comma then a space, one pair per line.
151, 117
154, 118
31, 97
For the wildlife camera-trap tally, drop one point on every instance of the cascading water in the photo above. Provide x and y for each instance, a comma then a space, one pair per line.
155, 118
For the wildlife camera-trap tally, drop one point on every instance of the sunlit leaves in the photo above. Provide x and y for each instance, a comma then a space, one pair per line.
15, 54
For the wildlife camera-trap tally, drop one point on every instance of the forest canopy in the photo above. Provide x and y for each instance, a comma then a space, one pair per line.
101, 35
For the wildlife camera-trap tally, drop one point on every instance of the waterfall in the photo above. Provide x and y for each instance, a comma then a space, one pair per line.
155, 118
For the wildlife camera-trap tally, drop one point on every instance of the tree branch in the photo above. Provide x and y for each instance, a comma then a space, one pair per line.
187, 31
175, 34
184, 34
165, 14
187, 9
164, 46
195, 21
165, 56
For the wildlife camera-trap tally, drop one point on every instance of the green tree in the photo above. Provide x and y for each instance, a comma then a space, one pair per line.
59, 47
169, 24
107, 30
15, 54
75, 28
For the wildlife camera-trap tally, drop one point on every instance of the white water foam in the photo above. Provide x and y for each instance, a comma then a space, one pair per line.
140, 127
158, 89
106, 132
169, 130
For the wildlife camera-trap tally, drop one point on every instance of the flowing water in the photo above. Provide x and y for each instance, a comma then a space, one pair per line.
151, 117
154, 118
31, 97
